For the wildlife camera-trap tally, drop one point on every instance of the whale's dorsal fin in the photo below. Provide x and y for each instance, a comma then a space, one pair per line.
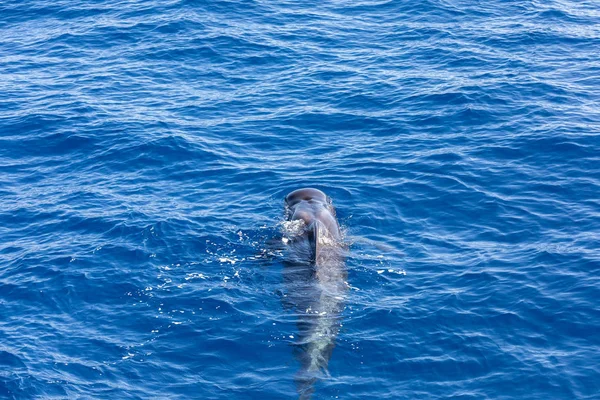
315, 230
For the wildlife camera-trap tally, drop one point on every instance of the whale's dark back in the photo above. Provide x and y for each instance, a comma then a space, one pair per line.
315, 277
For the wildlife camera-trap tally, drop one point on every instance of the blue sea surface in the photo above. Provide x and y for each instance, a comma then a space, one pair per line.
146, 148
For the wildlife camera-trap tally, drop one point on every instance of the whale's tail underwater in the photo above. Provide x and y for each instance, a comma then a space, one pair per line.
315, 277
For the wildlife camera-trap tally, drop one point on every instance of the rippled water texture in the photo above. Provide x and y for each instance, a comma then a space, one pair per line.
146, 148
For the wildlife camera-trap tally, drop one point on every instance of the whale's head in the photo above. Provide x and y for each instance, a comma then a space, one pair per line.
306, 194
311, 205
305, 201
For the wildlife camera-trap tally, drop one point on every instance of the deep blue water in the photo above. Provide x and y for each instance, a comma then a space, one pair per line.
146, 148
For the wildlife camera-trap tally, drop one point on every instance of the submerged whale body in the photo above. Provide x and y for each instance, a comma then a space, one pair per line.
315, 278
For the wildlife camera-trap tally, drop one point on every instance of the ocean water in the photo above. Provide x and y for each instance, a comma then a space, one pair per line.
146, 148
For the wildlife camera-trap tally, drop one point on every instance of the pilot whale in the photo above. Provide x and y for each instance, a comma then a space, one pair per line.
315, 278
